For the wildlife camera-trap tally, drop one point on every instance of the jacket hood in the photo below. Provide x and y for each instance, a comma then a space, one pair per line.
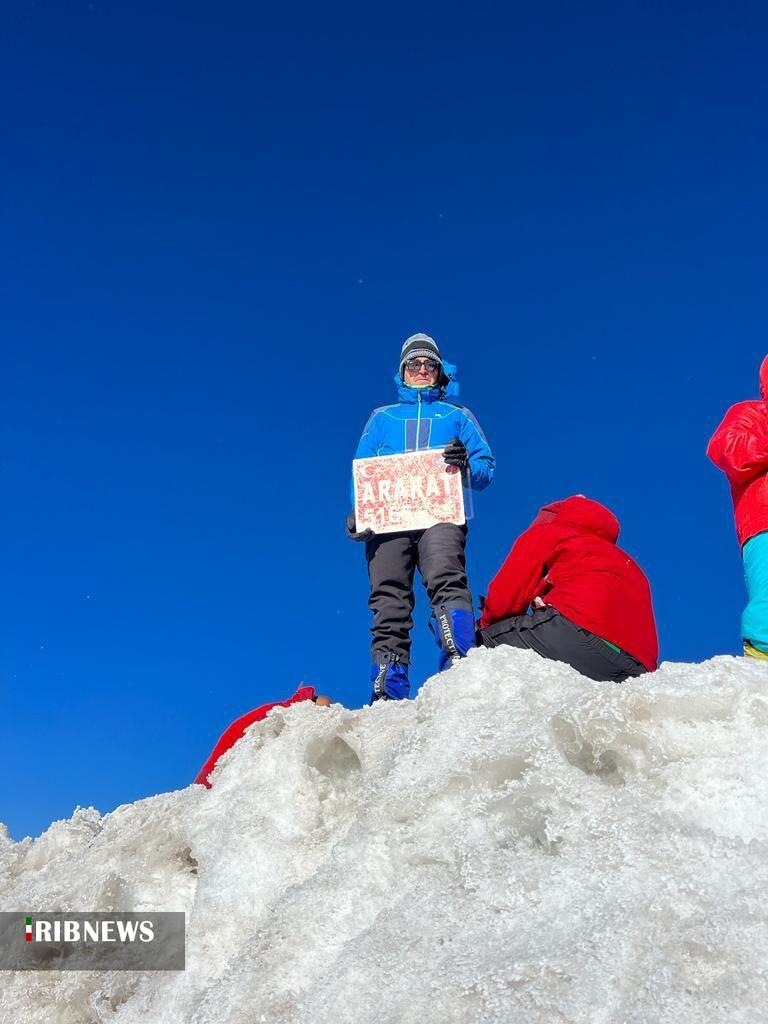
303, 693
764, 380
450, 390
583, 513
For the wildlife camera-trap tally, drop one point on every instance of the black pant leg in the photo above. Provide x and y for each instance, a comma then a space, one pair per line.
518, 631
442, 562
553, 636
391, 564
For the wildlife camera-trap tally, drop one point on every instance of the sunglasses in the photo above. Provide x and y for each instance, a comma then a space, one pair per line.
414, 365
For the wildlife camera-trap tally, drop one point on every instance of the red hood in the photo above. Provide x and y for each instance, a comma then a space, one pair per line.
236, 730
584, 513
303, 693
764, 379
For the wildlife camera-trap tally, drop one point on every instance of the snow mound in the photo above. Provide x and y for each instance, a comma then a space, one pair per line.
519, 844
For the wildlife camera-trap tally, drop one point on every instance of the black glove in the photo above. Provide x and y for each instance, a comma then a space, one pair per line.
350, 528
455, 454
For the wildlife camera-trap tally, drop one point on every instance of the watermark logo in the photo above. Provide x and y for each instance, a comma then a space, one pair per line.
82, 941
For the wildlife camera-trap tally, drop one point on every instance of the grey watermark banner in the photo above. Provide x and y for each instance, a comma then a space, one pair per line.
124, 941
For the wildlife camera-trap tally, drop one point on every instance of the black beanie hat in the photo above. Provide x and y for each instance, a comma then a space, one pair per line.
426, 347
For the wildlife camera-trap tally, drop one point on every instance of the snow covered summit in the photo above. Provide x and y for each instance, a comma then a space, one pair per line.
519, 844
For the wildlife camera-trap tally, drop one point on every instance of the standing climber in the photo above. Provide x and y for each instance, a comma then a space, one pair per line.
591, 603
739, 447
425, 416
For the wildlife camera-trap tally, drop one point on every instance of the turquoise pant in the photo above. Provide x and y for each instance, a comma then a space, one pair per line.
754, 621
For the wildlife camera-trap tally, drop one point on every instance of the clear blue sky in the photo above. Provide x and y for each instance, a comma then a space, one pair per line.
219, 224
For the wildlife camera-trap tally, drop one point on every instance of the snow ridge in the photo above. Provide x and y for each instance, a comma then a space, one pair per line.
518, 844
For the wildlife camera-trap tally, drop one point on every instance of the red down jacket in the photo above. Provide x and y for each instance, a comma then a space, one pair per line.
236, 730
739, 447
568, 559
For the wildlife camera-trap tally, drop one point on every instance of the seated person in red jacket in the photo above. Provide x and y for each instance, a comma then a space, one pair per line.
591, 602
236, 730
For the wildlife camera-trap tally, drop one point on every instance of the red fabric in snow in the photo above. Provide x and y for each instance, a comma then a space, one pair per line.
739, 447
236, 730
568, 559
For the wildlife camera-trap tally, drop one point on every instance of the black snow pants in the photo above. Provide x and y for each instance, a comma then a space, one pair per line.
553, 636
439, 553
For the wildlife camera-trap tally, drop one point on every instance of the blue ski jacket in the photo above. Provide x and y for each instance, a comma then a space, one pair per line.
426, 418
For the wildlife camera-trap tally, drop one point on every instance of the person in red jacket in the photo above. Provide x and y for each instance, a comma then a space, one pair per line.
236, 730
739, 447
591, 602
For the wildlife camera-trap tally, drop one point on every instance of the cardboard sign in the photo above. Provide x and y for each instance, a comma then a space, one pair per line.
407, 492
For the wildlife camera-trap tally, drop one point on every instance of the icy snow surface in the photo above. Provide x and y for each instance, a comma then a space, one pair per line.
519, 844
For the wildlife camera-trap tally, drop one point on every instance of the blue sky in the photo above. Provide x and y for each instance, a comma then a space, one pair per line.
219, 224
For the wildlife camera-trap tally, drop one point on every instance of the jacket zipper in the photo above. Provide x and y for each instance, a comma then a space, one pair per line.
418, 421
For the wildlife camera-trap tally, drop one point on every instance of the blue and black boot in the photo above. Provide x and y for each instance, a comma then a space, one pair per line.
389, 677
454, 631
